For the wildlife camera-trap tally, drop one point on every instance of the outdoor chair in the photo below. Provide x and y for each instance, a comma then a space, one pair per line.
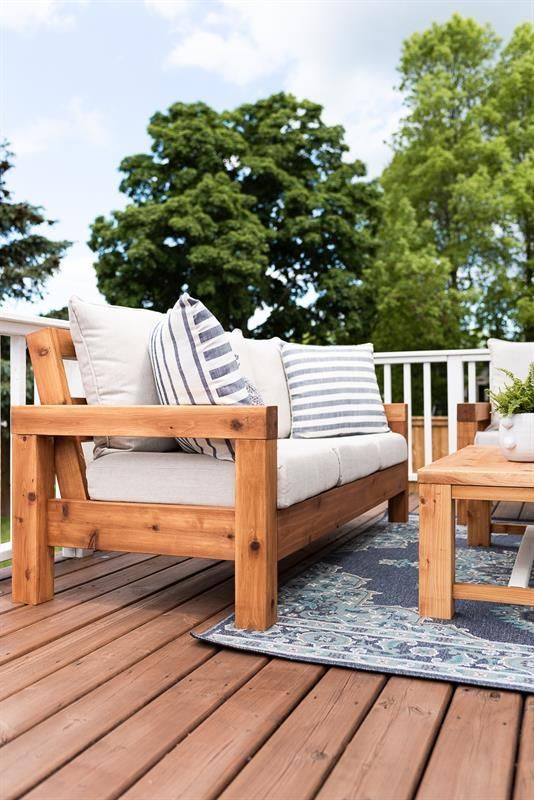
288, 493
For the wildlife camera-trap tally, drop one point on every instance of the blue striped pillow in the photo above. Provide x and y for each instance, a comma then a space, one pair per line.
194, 364
333, 391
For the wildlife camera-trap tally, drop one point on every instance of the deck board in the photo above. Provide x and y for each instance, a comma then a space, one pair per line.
105, 694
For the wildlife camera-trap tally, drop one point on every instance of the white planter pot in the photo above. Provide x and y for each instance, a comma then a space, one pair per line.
516, 437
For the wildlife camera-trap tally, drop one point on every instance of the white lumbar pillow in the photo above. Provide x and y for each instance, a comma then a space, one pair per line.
194, 364
111, 344
513, 356
333, 391
261, 361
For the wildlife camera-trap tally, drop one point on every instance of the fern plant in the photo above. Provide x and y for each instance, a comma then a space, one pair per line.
516, 397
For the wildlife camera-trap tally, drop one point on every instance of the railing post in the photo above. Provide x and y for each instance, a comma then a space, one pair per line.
455, 395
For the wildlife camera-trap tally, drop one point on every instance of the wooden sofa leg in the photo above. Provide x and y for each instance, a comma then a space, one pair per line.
33, 485
256, 545
398, 507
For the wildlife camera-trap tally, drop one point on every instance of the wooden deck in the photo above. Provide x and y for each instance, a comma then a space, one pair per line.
105, 694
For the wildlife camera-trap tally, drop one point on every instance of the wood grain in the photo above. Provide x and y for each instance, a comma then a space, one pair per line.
388, 754
436, 551
231, 735
524, 782
203, 531
479, 523
474, 412
33, 485
256, 557
46, 347
480, 466
475, 751
301, 753
491, 593
234, 422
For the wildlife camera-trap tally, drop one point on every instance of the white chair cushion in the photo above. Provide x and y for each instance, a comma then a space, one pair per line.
111, 346
261, 361
487, 438
513, 356
306, 467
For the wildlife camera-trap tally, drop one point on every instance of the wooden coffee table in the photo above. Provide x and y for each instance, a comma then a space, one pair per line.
480, 475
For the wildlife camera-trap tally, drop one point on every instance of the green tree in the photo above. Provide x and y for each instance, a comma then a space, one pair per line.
27, 258
444, 163
509, 118
250, 208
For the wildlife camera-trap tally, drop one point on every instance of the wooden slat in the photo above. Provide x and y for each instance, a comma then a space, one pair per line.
295, 760
436, 551
256, 557
230, 735
45, 659
22, 641
387, 756
30, 706
524, 782
516, 494
483, 467
202, 531
490, 593
66, 345
116, 761
33, 484
60, 737
475, 751
397, 416
45, 347
235, 422
336, 507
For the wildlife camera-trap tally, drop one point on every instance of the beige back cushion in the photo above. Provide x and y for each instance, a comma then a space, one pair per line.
261, 362
513, 356
111, 346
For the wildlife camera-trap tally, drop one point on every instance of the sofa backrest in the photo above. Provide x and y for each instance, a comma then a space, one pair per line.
261, 361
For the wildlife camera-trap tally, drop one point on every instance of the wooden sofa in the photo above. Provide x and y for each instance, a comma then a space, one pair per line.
255, 533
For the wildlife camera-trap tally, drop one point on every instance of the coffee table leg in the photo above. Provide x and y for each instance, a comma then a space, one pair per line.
436, 551
479, 523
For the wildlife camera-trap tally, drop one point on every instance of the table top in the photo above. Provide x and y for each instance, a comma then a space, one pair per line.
478, 466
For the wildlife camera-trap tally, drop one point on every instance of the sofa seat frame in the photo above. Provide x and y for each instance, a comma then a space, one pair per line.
46, 441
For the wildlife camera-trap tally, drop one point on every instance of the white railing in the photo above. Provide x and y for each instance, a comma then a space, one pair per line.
462, 377
462, 385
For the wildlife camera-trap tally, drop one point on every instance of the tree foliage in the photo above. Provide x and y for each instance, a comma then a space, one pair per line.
463, 161
251, 208
27, 258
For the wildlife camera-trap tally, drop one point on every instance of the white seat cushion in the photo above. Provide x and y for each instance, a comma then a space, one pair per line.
487, 438
306, 467
261, 361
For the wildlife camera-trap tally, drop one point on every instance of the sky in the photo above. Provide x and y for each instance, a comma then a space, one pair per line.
80, 79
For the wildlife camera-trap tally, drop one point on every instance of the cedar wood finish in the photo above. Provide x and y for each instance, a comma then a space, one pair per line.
46, 441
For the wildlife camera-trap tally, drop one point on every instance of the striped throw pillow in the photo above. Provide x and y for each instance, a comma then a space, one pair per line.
333, 391
194, 364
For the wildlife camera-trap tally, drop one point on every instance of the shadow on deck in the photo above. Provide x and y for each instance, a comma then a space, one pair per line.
104, 694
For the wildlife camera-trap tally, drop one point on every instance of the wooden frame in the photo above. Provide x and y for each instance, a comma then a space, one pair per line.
478, 475
472, 418
255, 534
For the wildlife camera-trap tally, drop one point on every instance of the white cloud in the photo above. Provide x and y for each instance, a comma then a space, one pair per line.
23, 15
76, 276
169, 9
86, 125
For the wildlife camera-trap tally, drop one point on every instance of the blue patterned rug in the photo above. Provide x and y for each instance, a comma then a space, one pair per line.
358, 608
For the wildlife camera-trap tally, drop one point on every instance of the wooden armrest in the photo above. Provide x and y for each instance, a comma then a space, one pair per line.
397, 416
218, 422
474, 412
